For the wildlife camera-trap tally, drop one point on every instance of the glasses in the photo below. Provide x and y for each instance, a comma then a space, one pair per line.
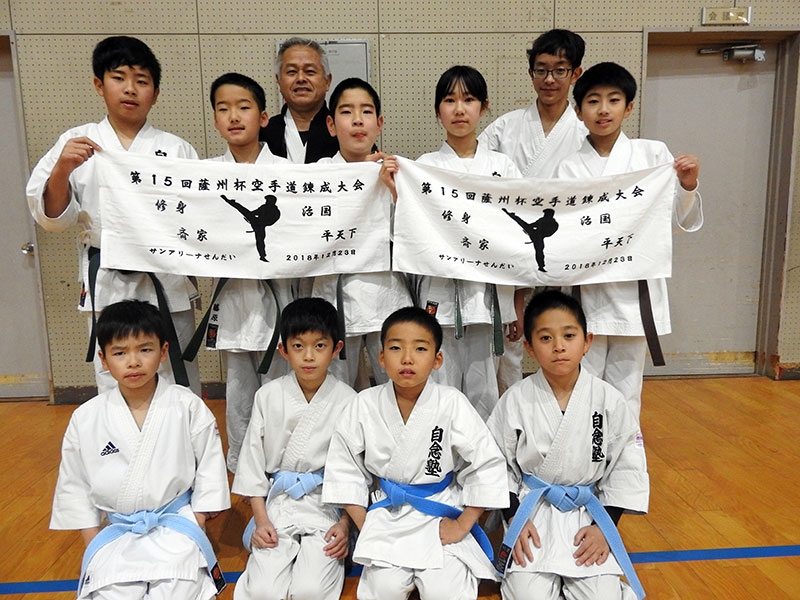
557, 73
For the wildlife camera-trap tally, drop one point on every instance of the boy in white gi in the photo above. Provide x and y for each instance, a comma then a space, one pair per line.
538, 137
603, 100
366, 298
147, 455
243, 312
576, 461
437, 467
63, 191
297, 543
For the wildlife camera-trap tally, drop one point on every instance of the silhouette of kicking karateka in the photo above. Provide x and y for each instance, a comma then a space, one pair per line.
537, 231
265, 215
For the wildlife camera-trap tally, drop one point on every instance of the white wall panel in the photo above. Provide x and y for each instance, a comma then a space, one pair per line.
418, 16
101, 16
310, 18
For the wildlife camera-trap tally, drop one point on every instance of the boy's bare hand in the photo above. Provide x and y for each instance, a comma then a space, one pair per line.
522, 553
688, 169
451, 531
514, 331
592, 546
264, 536
201, 517
76, 152
389, 167
337, 538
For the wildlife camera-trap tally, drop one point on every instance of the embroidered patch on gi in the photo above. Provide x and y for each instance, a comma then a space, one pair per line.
109, 449
432, 307
639, 440
211, 335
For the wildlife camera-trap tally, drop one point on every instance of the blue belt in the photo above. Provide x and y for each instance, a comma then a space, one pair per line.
295, 484
143, 521
416, 495
567, 498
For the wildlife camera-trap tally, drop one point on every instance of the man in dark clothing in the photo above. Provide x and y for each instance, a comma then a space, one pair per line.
300, 132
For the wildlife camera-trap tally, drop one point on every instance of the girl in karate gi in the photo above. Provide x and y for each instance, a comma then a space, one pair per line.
462, 98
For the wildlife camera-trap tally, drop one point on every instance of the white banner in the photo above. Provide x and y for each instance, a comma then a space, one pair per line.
534, 231
249, 221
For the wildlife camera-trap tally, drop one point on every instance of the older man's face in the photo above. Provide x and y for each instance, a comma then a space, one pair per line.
302, 80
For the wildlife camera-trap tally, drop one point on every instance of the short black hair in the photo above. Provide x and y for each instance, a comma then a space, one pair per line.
558, 42
548, 300
123, 50
419, 316
310, 314
242, 81
353, 83
126, 318
605, 74
468, 78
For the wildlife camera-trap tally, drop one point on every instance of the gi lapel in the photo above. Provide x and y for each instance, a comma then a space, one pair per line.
144, 442
309, 422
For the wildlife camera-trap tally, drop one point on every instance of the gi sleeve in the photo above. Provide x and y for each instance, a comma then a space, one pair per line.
506, 437
687, 207
483, 478
251, 473
625, 483
37, 184
73, 507
210, 491
346, 479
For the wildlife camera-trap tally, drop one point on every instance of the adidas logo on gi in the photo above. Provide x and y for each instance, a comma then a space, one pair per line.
109, 449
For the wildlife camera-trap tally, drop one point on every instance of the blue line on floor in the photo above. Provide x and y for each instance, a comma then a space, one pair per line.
70, 585
714, 554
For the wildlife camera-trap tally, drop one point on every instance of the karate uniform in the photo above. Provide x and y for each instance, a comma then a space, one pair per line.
520, 136
619, 348
284, 140
468, 362
243, 321
568, 449
84, 210
287, 433
367, 299
109, 465
372, 441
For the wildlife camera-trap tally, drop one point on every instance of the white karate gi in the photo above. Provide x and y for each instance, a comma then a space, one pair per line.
469, 362
371, 441
520, 136
287, 433
536, 438
612, 312
367, 299
109, 465
244, 317
84, 210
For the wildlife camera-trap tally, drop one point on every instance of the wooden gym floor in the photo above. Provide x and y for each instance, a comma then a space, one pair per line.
724, 520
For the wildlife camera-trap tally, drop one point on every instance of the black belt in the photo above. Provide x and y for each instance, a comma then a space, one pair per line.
648, 322
197, 339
